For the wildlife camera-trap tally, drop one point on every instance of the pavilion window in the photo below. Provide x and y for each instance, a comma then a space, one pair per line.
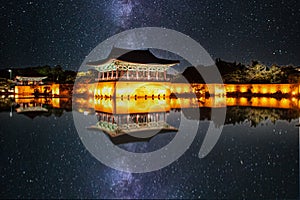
127, 74
141, 74
121, 73
161, 75
148, 74
117, 74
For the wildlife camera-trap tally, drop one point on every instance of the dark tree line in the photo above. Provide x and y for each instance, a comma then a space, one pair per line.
233, 72
54, 74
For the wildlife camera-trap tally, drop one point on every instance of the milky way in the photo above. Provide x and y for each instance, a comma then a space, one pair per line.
121, 11
64, 32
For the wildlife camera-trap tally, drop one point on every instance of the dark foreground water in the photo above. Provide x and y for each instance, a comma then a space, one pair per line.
43, 157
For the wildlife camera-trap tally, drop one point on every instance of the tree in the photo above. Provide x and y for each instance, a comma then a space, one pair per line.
275, 74
237, 76
257, 73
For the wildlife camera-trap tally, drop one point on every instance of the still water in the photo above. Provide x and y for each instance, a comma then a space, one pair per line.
256, 155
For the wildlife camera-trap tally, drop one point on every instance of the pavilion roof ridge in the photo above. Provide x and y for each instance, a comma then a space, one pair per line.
138, 56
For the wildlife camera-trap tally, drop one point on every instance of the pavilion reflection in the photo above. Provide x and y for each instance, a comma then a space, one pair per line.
33, 107
122, 118
126, 120
132, 119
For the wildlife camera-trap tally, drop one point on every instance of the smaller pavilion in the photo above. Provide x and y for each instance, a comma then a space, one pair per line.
24, 80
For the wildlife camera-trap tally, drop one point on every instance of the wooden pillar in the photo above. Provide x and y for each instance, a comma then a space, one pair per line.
137, 74
112, 74
127, 74
148, 74
156, 75
165, 75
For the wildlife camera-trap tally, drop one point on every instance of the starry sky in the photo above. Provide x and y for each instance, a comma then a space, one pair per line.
45, 158
61, 32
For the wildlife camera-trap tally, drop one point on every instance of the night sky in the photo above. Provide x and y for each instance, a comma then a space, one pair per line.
63, 32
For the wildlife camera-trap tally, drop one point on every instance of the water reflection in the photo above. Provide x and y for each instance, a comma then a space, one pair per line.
49, 148
123, 116
33, 107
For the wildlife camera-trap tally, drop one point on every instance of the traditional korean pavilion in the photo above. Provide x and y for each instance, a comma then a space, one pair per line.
132, 74
117, 117
131, 95
24, 80
31, 108
133, 65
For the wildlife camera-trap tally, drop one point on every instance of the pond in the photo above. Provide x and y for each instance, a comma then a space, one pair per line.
255, 156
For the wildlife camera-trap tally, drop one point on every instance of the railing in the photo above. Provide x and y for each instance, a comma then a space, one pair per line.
132, 79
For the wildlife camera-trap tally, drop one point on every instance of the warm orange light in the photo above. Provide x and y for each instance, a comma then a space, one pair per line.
56, 102
255, 89
264, 90
55, 89
264, 101
243, 89
284, 103
243, 101
180, 88
231, 101
220, 101
285, 89
272, 103
125, 106
142, 89
255, 101
273, 89
230, 88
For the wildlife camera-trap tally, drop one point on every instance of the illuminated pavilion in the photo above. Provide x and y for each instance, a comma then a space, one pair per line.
132, 73
117, 117
31, 108
24, 80
131, 95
